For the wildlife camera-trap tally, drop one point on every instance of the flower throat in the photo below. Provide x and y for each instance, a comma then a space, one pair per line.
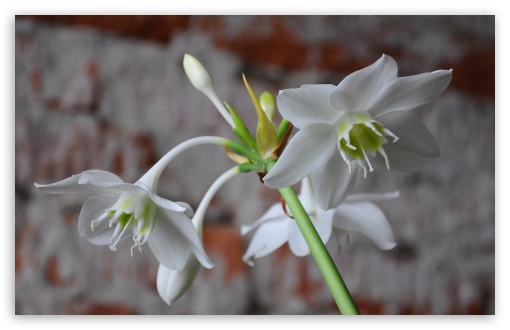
362, 138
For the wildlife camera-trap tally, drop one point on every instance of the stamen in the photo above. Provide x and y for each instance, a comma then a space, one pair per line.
134, 245
350, 146
383, 153
346, 159
368, 161
113, 246
101, 218
372, 127
390, 133
360, 163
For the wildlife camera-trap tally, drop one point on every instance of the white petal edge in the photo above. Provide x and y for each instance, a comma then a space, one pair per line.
367, 219
356, 198
174, 238
307, 105
90, 182
308, 150
297, 241
332, 182
92, 209
363, 86
407, 93
269, 236
172, 284
416, 146
273, 213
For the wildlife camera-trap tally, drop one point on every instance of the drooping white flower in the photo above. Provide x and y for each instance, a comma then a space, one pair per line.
343, 127
356, 214
172, 284
116, 210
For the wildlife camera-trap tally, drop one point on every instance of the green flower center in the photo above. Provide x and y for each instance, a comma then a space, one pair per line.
135, 212
359, 136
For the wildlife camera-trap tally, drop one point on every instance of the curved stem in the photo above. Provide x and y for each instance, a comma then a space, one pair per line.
152, 176
321, 255
202, 207
220, 107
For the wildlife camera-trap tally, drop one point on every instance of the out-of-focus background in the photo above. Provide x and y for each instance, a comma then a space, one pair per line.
109, 92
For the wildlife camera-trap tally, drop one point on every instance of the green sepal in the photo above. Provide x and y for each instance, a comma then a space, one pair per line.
282, 128
268, 104
267, 139
250, 167
244, 150
240, 129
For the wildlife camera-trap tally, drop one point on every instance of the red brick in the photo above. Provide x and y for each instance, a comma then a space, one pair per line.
277, 47
155, 28
227, 242
475, 73
104, 309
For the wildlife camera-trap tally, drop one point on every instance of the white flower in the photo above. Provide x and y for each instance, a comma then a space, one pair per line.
357, 214
117, 210
352, 122
172, 284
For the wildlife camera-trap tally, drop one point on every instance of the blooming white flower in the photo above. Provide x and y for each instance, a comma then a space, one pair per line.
357, 214
171, 283
117, 210
352, 122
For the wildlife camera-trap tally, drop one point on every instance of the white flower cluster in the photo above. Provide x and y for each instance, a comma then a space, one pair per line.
359, 125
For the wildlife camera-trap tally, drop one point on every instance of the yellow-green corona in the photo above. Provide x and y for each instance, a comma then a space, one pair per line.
359, 136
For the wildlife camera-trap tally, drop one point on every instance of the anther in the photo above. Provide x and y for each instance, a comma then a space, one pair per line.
134, 245
390, 133
92, 225
360, 163
386, 159
350, 146
372, 127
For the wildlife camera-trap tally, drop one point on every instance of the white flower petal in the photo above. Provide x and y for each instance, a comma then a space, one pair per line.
416, 146
174, 238
88, 182
333, 181
409, 92
92, 209
172, 284
324, 224
356, 198
162, 202
268, 237
99, 178
297, 242
307, 105
273, 213
367, 219
308, 150
363, 87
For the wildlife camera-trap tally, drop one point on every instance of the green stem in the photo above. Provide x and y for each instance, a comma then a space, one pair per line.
321, 255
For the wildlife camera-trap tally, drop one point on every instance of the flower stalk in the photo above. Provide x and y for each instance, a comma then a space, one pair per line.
321, 255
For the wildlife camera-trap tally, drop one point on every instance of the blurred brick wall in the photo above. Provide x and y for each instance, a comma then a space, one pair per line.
110, 93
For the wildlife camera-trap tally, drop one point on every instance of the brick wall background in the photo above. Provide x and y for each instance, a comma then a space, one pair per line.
110, 93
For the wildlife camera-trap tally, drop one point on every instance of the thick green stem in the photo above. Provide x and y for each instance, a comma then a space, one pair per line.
321, 255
